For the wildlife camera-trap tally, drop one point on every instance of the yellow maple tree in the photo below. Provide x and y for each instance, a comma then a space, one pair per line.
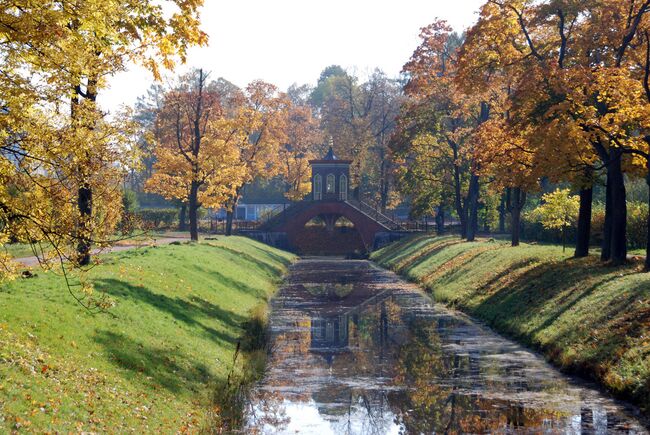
62, 157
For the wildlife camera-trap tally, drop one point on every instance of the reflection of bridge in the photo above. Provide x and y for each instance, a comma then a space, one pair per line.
329, 333
364, 227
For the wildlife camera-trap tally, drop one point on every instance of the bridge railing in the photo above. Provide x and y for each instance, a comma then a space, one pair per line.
374, 213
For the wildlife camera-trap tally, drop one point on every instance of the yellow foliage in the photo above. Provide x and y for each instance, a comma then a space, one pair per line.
62, 159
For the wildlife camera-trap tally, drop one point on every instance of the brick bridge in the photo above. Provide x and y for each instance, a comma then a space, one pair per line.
369, 229
315, 225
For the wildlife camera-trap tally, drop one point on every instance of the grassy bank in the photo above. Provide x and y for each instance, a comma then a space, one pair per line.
585, 317
154, 362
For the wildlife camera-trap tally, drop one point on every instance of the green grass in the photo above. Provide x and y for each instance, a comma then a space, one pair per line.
637, 252
151, 363
19, 250
584, 316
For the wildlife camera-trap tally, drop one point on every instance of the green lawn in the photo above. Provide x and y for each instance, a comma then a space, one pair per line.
153, 361
585, 316
637, 252
19, 250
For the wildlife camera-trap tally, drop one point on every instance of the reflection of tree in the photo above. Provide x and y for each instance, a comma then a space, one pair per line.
433, 400
420, 408
266, 410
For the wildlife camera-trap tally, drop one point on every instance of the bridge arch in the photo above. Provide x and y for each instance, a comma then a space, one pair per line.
366, 226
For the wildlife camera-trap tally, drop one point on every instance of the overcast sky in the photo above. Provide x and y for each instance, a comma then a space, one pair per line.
291, 41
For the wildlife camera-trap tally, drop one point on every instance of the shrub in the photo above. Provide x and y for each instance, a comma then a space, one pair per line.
559, 211
129, 201
129, 221
637, 224
637, 227
157, 218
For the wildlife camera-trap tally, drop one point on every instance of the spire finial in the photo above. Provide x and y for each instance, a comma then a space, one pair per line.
330, 153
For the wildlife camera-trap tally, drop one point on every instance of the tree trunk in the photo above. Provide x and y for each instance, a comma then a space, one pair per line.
647, 248
384, 185
502, 214
472, 203
516, 226
182, 215
474, 188
461, 209
84, 204
584, 222
486, 221
229, 219
84, 193
230, 216
192, 210
462, 215
606, 251
619, 212
515, 200
440, 220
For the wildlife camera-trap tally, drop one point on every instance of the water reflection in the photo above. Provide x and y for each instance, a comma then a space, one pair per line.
370, 355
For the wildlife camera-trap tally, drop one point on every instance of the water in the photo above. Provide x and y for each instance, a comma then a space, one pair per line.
357, 350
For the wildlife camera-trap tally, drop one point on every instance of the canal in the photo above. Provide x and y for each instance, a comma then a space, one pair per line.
357, 350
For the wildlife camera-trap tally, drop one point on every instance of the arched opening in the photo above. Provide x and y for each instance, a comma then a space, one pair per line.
343, 188
330, 186
315, 222
318, 187
328, 234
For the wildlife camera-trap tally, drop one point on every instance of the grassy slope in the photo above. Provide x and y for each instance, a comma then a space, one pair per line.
147, 366
584, 316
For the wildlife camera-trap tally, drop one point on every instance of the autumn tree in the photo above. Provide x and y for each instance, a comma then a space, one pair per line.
196, 162
438, 112
564, 62
386, 98
303, 142
146, 111
558, 211
59, 152
423, 176
257, 130
505, 156
360, 117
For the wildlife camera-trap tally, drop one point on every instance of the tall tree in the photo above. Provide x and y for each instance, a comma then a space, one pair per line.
303, 142
195, 161
258, 129
57, 56
437, 108
385, 99
561, 58
147, 108
360, 118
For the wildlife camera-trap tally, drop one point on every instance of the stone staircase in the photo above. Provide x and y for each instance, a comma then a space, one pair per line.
375, 215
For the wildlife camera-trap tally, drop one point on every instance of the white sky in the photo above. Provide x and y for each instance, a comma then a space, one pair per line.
291, 41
